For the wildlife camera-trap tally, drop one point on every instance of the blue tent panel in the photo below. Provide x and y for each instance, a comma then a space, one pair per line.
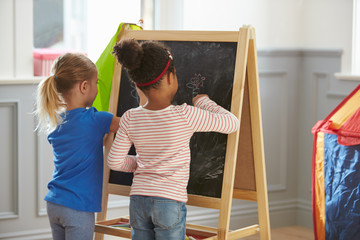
342, 189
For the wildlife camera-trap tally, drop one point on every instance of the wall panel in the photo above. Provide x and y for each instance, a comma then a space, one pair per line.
9, 171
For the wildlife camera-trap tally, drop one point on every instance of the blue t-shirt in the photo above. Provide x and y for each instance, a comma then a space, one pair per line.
78, 158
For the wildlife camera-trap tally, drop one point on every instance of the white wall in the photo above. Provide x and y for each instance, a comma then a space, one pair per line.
328, 24
275, 21
309, 24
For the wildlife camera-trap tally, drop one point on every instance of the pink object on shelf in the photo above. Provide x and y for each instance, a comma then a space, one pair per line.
44, 59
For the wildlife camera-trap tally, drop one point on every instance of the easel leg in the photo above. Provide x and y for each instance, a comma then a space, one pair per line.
105, 194
259, 159
230, 164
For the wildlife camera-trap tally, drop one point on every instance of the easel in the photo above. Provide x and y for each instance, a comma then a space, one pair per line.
244, 171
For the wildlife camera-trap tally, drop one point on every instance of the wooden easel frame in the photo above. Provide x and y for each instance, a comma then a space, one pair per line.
245, 92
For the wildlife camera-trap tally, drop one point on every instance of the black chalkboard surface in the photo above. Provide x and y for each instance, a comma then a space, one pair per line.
202, 67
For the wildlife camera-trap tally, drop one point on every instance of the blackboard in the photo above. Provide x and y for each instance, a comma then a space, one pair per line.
232, 81
202, 67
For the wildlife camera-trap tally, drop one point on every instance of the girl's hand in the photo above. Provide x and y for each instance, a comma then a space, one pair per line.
199, 96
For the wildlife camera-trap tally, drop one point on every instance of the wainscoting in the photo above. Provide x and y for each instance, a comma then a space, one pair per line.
297, 88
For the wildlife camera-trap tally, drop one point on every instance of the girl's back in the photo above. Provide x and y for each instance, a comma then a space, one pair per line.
162, 140
77, 147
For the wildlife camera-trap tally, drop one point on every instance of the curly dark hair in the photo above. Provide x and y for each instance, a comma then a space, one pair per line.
143, 61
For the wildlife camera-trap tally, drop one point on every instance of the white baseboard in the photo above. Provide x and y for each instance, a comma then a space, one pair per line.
38, 234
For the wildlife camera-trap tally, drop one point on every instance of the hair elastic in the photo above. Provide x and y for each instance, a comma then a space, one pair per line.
160, 76
55, 76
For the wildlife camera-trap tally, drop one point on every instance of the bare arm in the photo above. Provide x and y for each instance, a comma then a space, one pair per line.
199, 96
114, 126
208, 116
118, 158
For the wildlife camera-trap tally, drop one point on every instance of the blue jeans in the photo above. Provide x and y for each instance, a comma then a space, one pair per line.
157, 218
70, 224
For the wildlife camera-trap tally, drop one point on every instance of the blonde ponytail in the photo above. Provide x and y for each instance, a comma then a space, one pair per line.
49, 105
70, 68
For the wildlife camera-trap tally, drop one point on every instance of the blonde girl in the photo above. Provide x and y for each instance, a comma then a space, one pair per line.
161, 134
75, 132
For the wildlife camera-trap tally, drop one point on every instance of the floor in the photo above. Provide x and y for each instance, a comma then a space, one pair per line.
284, 233
287, 233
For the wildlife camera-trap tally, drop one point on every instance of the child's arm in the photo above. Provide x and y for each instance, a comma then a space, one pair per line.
208, 116
114, 126
199, 96
118, 158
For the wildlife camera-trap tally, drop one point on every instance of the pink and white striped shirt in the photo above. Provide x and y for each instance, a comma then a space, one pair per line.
162, 138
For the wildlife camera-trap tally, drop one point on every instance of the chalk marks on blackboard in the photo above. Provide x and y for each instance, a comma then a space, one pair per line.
215, 173
196, 83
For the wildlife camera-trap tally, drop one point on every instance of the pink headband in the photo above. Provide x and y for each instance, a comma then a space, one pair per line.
160, 76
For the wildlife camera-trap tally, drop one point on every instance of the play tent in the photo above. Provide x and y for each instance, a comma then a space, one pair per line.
336, 172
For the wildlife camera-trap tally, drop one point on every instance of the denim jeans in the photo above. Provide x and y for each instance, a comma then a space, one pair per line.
157, 218
70, 224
